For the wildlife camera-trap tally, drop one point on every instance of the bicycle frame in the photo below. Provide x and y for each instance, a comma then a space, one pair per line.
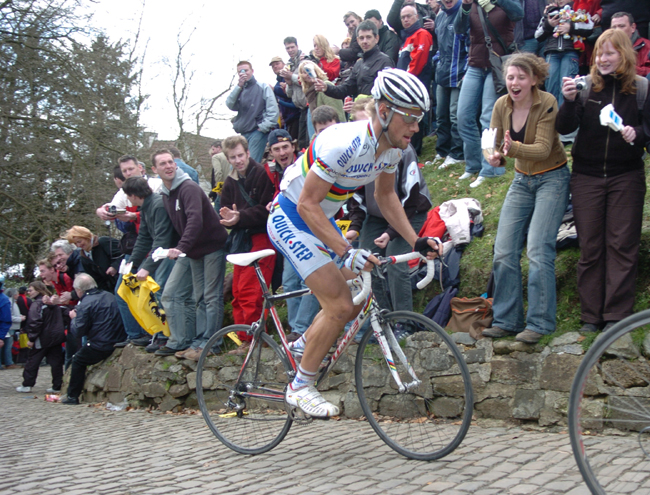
369, 308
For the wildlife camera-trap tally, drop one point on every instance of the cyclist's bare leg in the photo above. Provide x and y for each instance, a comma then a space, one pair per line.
328, 284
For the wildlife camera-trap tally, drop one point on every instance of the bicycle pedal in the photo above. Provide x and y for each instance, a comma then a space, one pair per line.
299, 417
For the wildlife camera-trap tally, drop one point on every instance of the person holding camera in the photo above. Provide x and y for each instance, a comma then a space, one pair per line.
608, 178
257, 110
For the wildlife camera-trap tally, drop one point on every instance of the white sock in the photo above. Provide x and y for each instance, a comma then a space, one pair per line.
303, 379
300, 343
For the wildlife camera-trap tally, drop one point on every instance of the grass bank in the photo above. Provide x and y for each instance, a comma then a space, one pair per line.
476, 262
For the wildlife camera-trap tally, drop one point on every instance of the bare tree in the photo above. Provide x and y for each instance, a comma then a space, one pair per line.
196, 112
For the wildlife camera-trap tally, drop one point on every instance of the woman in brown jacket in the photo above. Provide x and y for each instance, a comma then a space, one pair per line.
535, 203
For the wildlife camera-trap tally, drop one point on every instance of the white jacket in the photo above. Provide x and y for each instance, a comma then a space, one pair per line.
457, 214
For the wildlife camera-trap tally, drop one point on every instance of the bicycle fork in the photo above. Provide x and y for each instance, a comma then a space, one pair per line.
387, 341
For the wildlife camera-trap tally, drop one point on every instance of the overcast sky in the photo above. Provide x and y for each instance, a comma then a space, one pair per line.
224, 33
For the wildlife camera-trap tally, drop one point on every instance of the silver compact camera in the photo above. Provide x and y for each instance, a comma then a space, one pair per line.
581, 83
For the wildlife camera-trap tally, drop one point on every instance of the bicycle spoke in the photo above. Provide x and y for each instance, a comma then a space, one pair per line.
244, 404
429, 420
609, 414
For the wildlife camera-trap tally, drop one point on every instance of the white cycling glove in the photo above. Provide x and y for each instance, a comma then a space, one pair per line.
355, 259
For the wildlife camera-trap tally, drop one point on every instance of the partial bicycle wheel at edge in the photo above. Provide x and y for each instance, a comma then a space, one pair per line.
429, 421
609, 409
246, 412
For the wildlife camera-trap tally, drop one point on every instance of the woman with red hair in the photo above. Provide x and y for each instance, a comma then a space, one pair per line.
608, 179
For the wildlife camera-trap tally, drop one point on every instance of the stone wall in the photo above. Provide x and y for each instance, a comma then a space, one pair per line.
510, 379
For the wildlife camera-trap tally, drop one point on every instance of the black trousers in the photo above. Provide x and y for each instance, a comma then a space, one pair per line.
303, 135
54, 357
83, 358
72, 345
608, 213
293, 127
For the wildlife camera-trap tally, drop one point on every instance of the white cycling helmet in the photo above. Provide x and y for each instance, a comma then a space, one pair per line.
401, 89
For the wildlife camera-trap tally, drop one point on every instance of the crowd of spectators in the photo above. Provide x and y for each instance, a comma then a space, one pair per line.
448, 45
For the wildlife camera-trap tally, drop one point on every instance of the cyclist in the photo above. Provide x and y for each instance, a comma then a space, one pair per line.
341, 160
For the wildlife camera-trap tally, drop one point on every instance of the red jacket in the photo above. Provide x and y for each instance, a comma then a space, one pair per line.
642, 49
417, 50
332, 69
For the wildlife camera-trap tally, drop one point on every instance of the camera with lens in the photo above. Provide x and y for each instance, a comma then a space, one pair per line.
114, 210
581, 83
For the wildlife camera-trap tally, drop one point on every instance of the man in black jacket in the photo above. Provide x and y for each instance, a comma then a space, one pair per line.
365, 70
156, 230
98, 318
389, 42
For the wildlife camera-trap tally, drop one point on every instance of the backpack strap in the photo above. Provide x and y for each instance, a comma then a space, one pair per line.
641, 91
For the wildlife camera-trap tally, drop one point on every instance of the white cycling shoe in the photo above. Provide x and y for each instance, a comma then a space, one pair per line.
311, 402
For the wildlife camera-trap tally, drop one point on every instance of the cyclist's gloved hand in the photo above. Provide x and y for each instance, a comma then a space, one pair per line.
422, 245
355, 259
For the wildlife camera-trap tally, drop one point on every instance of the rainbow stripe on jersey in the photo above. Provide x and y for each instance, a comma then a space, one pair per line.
344, 156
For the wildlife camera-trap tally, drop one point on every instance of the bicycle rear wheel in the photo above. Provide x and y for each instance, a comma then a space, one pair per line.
431, 419
609, 409
244, 405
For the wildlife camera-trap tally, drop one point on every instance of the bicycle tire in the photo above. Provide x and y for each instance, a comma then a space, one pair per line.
611, 391
248, 425
432, 420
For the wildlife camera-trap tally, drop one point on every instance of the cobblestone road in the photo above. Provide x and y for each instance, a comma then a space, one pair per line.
86, 450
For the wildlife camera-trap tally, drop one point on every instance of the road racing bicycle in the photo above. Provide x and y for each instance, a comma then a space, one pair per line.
412, 383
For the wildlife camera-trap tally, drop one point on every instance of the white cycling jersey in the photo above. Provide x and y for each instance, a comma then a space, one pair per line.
344, 156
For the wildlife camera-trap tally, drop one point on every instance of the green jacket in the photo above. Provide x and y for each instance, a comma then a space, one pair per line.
156, 230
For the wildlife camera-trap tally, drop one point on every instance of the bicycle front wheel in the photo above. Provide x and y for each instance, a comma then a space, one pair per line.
430, 419
243, 404
609, 409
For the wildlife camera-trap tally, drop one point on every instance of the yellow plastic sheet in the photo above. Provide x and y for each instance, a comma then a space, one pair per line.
140, 296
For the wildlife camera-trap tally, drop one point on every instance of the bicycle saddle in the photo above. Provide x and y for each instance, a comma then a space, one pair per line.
245, 259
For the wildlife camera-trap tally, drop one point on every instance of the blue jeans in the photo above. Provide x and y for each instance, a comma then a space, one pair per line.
301, 310
533, 208
476, 95
131, 326
163, 272
563, 64
6, 350
311, 130
256, 144
179, 306
207, 277
449, 142
533, 46
398, 283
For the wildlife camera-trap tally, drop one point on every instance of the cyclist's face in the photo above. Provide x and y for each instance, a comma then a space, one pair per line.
238, 158
399, 132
